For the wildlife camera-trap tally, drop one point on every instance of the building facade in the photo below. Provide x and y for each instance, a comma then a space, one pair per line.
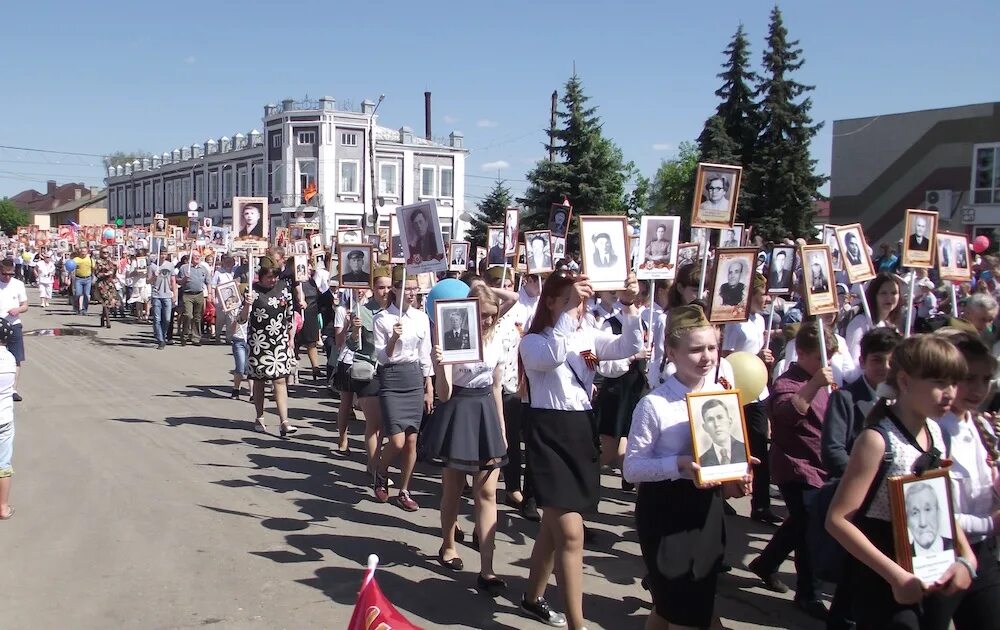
357, 168
942, 159
91, 209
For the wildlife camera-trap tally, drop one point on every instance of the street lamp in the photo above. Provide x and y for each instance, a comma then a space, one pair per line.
371, 164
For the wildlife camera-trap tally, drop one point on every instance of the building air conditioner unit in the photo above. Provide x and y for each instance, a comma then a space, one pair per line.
939, 201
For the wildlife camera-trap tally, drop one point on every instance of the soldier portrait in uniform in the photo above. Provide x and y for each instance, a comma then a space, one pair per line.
456, 328
658, 245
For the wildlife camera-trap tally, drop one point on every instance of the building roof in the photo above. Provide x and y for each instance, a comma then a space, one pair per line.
384, 134
76, 204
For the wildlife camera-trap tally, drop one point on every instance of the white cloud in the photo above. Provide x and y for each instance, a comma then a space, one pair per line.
190, 59
486, 123
450, 120
663, 146
498, 165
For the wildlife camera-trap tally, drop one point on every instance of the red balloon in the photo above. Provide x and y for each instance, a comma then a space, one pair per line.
981, 244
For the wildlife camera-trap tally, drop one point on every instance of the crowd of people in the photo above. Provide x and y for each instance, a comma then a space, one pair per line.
573, 382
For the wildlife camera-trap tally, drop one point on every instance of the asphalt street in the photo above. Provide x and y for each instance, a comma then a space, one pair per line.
145, 500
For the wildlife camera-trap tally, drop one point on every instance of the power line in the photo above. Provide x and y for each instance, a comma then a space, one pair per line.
4, 146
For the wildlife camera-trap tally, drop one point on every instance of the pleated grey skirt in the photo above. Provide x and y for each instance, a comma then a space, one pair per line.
401, 396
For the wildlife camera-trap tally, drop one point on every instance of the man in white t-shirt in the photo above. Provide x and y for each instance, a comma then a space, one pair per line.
13, 302
749, 337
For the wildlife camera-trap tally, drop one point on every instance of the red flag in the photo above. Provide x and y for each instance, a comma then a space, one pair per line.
374, 612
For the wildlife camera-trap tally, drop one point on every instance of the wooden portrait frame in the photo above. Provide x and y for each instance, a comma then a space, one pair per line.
474, 353
718, 311
481, 254
790, 255
855, 273
342, 251
702, 450
687, 260
224, 292
238, 204
550, 223
162, 232
740, 230
511, 237
819, 302
954, 272
301, 267
534, 235
919, 258
711, 217
612, 277
519, 256
491, 231
646, 269
423, 260
300, 247
344, 231
939, 481
393, 235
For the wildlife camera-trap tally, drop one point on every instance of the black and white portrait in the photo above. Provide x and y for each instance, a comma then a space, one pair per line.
922, 505
480, 257
817, 280
510, 231
855, 258
315, 244
731, 237
423, 241
206, 224
395, 242
250, 218
228, 295
658, 247
816, 273
350, 236
458, 255
919, 238
716, 190
604, 251
160, 226
558, 248
779, 273
829, 238
494, 241
538, 257
302, 267
520, 260
730, 297
456, 324
687, 254
718, 434
300, 248
953, 257
559, 218
355, 266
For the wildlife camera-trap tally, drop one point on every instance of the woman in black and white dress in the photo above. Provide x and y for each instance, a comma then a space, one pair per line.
559, 355
465, 436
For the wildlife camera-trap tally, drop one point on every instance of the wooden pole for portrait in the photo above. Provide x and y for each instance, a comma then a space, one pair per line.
704, 264
863, 293
652, 303
909, 305
824, 359
770, 326
954, 300
402, 287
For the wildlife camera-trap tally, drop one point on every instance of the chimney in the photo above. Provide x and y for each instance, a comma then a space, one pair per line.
427, 115
93, 191
77, 193
50, 187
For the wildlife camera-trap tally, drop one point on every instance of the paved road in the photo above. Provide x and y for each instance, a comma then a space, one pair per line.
144, 500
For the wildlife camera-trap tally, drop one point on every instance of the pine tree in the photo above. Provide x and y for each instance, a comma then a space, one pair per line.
730, 134
782, 175
589, 169
490, 212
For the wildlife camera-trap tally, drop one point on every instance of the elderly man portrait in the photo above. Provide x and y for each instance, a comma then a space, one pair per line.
919, 240
733, 292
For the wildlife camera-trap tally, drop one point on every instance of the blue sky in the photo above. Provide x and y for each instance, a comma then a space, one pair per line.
97, 77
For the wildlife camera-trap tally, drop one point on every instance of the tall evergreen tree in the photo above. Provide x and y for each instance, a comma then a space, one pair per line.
782, 176
589, 169
490, 212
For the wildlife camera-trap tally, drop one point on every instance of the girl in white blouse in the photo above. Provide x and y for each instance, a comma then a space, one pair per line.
465, 436
923, 371
679, 521
885, 306
972, 447
559, 355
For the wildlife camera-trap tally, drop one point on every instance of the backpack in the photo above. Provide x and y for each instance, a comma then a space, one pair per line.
828, 557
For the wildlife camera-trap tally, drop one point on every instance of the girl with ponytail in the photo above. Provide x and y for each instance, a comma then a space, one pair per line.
899, 440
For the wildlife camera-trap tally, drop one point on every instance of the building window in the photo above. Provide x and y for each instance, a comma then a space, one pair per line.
348, 222
349, 184
278, 178
213, 189
388, 179
148, 191
446, 232
158, 197
427, 181
307, 137
227, 187
307, 174
276, 140
257, 179
447, 182
199, 189
349, 139
242, 183
986, 174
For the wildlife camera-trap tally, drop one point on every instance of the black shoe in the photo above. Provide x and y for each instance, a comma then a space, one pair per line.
235, 394
628, 487
727, 509
765, 515
491, 586
771, 580
541, 611
529, 510
17, 397
813, 607
161, 346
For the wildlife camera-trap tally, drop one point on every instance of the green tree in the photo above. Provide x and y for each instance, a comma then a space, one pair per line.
638, 200
124, 157
11, 217
672, 189
782, 176
490, 212
589, 169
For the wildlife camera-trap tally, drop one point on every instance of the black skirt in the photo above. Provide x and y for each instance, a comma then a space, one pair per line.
464, 432
617, 398
342, 378
401, 396
562, 453
682, 536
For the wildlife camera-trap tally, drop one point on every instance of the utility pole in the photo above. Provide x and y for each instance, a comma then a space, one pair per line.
552, 126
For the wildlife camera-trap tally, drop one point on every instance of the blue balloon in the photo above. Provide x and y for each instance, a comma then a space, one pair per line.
70, 265
447, 289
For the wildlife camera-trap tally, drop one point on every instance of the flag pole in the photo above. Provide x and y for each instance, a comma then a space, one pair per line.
370, 573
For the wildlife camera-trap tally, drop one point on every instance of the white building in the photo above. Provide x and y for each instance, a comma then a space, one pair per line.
302, 143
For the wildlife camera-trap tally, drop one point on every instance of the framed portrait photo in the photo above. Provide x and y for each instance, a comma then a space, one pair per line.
953, 256
300, 248
480, 257
718, 435
302, 267
458, 254
657, 255
520, 266
178, 233
422, 239
731, 237
687, 254
395, 242
919, 238
375, 241
854, 256
494, 244
539, 258
350, 236
160, 227
604, 251
426, 281
228, 294
730, 301
818, 281
315, 243
717, 188
511, 221
250, 218
355, 265
559, 218
780, 269
830, 240
701, 236
383, 236
923, 523
558, 248
456, 324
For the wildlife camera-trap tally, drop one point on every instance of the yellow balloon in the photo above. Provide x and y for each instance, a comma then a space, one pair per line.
750, 374
26, 256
